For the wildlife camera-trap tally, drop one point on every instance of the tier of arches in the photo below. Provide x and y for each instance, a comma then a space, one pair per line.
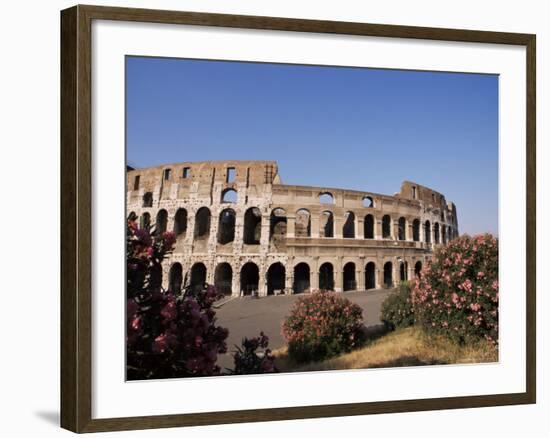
401, 229
277, 279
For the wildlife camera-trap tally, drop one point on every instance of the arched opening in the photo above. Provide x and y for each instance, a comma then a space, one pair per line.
427, 232
155, 277
369, 226
252, 226
202, 223
388, 274
276, 279
436, 232
326, 198
416, 230
326, 277
175, 279
370, 275
386, 226
402, 228
229, 196
350, 282
198, 276
223, 277
250, 278
277, 228
348, 231
162, 222
180, 222
147, 200
226, 226
403, 271
132, 216
443, 234
301, 278
418, 269
368, 202
145, 222
326, 224
303, 223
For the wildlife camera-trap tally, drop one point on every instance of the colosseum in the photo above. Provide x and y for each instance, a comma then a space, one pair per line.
240, 228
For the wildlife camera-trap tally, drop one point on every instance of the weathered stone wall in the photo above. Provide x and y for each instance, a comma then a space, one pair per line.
239, 227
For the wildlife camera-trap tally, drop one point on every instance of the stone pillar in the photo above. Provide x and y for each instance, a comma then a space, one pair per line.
395, 229
289, 280
239, 229
360, 277
379, 276
359, 227
315, 224
409, 227
190, 233
338, 224
213, 234
338, 276
262, 282
264, 238
377, 228
291, 226
314, 279
235, 281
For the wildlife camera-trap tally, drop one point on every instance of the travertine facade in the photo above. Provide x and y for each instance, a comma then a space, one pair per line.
240, 228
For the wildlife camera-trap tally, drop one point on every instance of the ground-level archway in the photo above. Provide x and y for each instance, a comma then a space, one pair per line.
301, 278
388, 274
198, 276
250, 278
370, 275
326, 276
175, 278
223, 277
350, 283
276, 279
418, 268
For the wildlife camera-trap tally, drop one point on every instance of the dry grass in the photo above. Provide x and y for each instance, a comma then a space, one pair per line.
404, 347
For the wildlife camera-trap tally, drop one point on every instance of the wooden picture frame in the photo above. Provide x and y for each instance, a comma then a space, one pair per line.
76, 222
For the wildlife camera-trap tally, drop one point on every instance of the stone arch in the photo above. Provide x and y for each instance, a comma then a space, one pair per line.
368, 202
132, 216
326, 276
161, 222
303, 223
147, 200
443, 234
326, 198
416, 230
418, 269
427, 232
252, 226
403, 268
250, 278
388, 274
350, 282
276, 278
229, 196
155, 277
370, 275
369, 226
348, 230
386, 226
202, 223
145, 221
175, 278
277, 228
301, 278
198, 276
436, 232
226, 226
180, 222
326, 224
223, 276
402, 228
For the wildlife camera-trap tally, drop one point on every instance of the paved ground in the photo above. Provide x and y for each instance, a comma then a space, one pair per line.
248, 316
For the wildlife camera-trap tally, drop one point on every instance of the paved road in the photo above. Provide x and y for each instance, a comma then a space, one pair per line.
248, 316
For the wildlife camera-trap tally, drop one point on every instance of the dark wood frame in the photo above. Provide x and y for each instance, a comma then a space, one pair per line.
76, 177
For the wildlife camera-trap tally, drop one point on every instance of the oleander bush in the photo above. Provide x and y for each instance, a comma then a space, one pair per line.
397, 310
166, 335
321, 325
254, 357
457, 294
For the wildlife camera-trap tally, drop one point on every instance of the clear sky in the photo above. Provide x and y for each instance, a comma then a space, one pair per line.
351, 128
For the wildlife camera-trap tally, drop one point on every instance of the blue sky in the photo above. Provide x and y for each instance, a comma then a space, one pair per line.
354, 128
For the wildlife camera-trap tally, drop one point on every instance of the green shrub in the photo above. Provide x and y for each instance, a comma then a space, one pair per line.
322, 325
397, 311
457, 293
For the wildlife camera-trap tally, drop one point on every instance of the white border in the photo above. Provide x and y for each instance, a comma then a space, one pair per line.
112, 397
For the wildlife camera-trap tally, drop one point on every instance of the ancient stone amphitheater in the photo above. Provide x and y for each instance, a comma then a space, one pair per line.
240, 228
